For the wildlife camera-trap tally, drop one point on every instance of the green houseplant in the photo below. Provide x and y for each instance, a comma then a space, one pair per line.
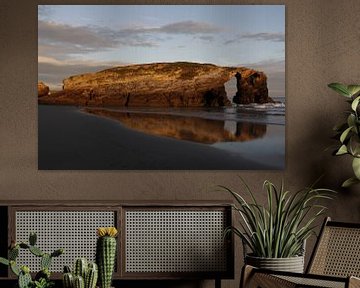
349, 132
279, 229
42, 278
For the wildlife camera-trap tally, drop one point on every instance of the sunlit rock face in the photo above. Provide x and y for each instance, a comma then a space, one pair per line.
251, 88
179, 84
43, 90
192, 129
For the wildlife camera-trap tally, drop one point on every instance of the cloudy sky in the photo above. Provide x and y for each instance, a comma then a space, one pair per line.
74, 39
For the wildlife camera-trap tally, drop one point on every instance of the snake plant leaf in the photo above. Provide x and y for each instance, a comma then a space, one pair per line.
342, 150
340, 88
349, 182
356, 167
278, 228
355, 103
354, 90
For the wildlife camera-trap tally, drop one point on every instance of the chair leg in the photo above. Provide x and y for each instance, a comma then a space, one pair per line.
217, 283
246, 273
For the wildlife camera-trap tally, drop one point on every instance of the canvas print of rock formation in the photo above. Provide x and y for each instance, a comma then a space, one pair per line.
139, 87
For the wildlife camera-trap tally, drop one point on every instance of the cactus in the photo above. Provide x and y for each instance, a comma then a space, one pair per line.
106, 254
68, 280
90, 272
24, 280
24, 245
32, 238
42, 278
79, 282
4, 261
91, 276
67, 269
45, 261
57, 253
13, 253
36, 251
43, 274
80, 267
14, 268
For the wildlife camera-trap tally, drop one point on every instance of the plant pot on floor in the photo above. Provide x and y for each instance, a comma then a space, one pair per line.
290, 264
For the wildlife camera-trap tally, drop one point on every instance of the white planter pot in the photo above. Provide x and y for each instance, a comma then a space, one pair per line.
291, 264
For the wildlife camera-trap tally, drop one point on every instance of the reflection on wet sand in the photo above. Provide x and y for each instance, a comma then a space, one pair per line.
185, 128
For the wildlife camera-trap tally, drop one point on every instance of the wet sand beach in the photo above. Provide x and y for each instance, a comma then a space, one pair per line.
72, 139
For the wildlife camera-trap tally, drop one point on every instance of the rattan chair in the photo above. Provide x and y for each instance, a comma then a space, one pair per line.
334, 263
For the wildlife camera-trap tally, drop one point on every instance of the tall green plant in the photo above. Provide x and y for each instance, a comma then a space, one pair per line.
279, 229
349, 132
106, 254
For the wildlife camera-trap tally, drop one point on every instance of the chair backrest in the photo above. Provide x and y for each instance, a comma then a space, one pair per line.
337, 251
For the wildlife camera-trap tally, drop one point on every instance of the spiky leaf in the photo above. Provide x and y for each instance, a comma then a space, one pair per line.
280, 228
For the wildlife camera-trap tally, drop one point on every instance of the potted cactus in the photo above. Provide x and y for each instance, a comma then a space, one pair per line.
85, 275
42, 278
106, 254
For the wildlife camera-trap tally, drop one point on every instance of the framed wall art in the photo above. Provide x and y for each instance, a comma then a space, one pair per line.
161, 87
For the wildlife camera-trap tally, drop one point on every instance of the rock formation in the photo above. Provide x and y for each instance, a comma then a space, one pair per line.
43, 90
179, 84
251, 88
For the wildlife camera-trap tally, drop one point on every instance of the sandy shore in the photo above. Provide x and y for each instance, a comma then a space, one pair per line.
71, 139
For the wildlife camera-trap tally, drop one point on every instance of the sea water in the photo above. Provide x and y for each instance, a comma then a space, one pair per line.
254, 131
